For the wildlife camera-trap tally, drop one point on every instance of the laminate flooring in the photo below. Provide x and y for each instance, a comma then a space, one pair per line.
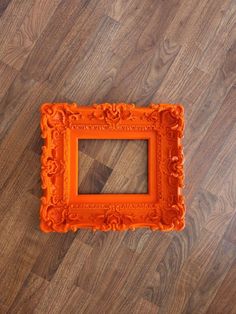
95, 51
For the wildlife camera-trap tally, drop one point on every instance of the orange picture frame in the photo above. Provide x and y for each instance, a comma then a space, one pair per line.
63, 208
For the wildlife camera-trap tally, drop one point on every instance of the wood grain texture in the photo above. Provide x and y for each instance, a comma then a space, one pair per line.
119, 51
119, 166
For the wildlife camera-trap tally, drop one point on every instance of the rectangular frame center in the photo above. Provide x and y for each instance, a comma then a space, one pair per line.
151, 196
113, 166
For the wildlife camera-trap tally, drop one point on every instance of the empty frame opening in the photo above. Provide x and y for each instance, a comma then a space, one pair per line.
112, 166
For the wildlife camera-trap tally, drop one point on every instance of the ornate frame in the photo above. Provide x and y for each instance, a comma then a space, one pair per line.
62, 209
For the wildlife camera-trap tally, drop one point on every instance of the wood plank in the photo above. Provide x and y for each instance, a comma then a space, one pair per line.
223, 168
24, 123
13, 102
136, 19
52, 37
210, 146
122, 276
118, 8
19, 184
52, 254
95, 178
3, 6
63, 282
82, 80
143, 71
11, 20
230, 233
72, 305
215, 272
18, 48
105, 151
198, 266
29, 296
78, 41
7, 76
24, 244
137, 243
91, 277
224, 300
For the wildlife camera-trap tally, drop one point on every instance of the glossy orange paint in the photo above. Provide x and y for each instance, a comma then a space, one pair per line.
63, 209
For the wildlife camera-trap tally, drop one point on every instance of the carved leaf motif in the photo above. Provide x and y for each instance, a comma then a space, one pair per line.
53, 167
175, 167
54, 217
178, 123
73, 118
113, 114
154, 216
173, 216
114, 220
154, 116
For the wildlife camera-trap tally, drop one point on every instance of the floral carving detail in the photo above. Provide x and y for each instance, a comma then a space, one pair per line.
113, 114
73, 118
173, 216
54, 217
175, 112
175, 167
53, 167
169, 218
114, 220
53, 118
154, 216
57, 215
154, 116
50, 167
59, 117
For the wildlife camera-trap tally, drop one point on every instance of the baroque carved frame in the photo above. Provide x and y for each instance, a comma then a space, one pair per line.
62, 209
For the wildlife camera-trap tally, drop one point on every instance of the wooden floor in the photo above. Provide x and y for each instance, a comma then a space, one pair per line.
135, 51
113, 166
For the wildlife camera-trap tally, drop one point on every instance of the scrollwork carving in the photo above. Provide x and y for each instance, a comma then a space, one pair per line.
113, 219
175, 167
173, 215
113, 114
53, 217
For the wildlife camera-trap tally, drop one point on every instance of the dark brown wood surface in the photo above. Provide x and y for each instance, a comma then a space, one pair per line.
113, 166
134, 51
